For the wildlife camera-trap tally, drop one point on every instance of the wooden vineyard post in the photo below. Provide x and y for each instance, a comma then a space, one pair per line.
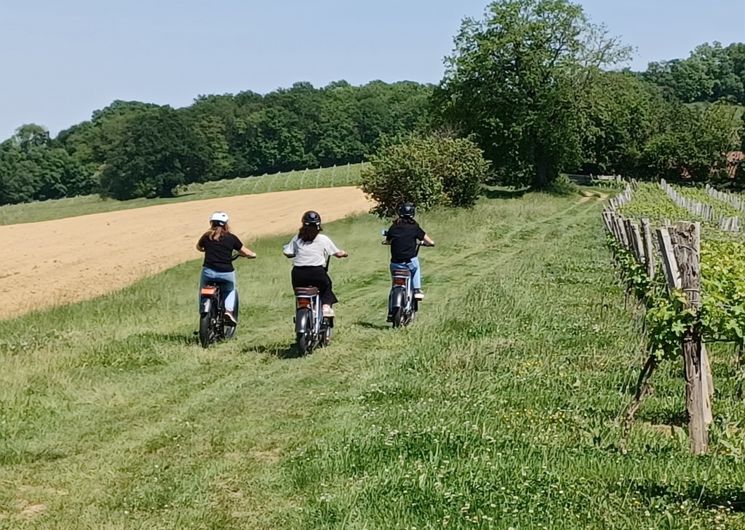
669, 263
687, 239
648, 248
622, 230
636, 240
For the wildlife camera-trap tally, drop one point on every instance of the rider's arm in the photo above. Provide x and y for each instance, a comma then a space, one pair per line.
289, 249
428, 240
200, 245
331, 249
246, 252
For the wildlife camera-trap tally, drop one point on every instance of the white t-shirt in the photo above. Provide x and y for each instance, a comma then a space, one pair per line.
311, 254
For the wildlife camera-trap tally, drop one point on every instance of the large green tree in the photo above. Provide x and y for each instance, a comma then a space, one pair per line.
711, 73
518, 81
156, 152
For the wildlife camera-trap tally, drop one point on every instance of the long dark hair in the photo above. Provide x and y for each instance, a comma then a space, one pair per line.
216, 231
308, 233
405, 221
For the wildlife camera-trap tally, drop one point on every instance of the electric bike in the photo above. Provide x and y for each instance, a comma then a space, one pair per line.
213, 326
402, 304
312, 329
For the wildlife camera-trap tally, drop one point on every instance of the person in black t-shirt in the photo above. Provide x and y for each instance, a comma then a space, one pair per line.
404, 236
218, 245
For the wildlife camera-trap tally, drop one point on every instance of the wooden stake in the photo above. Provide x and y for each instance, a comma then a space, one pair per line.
648, 248
688, 237
669, 262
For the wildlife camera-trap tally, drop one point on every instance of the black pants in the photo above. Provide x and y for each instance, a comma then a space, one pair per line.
314, 277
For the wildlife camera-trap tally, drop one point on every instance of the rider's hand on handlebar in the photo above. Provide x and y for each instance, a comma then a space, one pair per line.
342, 254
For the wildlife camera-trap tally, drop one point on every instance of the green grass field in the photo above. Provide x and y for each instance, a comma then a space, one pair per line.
498, 409
292, 180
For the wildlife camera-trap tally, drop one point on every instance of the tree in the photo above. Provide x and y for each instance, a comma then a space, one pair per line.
518, 80
156, 153
711, 73
692, 141
623, 114
427, 171
31, 135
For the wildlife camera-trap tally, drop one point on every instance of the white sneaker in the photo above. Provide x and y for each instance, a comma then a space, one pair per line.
328, 311
418, 294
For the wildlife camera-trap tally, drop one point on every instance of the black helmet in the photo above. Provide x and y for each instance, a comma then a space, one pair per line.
311, 218
407, 209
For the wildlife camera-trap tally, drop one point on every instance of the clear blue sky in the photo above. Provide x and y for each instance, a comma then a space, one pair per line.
62, 59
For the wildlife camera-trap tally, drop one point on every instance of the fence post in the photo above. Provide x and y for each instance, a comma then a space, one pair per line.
687, 254
648, 248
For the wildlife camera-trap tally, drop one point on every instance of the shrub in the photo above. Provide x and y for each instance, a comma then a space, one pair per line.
427, 171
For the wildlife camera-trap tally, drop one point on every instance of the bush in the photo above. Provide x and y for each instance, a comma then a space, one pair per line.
427, 171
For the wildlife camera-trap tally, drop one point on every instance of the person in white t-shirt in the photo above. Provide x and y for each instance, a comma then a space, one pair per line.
310, 251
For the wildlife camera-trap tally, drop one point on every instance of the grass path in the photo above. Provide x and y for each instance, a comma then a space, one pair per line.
496, 409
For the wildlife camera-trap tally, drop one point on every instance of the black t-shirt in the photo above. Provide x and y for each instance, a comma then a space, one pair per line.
403, 238
218, 252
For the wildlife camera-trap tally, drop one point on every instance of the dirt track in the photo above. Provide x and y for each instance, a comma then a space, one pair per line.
77, 258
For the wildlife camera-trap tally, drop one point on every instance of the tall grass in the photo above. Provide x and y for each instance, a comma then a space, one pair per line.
498, 408
348, 175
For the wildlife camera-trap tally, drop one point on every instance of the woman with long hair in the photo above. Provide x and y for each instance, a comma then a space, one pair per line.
310, 251
218, 244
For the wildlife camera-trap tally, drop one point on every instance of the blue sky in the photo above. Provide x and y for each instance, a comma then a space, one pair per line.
60, 60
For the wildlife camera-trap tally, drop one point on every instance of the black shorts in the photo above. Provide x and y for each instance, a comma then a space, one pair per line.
315, 277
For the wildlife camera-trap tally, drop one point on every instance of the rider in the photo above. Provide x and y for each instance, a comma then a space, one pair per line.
311, 251
218, 244
403, 236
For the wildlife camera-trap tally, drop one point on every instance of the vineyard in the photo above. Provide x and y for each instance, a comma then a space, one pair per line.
691, 281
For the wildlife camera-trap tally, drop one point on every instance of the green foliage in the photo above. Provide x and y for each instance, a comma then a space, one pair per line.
427, 171
722, 315
723, 288
650, 201
692, 142
31, 168
518, 80
156, 153
232, 135
711, 73
623, 115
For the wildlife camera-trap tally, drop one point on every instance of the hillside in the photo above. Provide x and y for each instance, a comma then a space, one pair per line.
498, 408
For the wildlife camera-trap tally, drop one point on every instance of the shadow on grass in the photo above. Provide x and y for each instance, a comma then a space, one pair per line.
672, 418
281, 351
370, 325
703, 495
500, 193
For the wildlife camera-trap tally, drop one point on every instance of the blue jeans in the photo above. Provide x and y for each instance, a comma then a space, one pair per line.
227, 285
416, 271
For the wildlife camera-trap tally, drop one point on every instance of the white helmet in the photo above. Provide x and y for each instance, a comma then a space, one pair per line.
219, 218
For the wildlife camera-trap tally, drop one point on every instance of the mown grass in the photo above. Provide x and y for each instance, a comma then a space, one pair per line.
348, 175
499, 408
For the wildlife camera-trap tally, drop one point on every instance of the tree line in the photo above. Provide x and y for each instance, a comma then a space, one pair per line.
534, 84
134, 149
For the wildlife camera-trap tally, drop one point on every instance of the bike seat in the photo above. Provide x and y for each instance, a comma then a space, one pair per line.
402, 272
306, 291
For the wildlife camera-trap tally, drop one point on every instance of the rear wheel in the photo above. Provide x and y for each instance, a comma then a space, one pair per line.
398, 316
206, 329
326, 332
304, 343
